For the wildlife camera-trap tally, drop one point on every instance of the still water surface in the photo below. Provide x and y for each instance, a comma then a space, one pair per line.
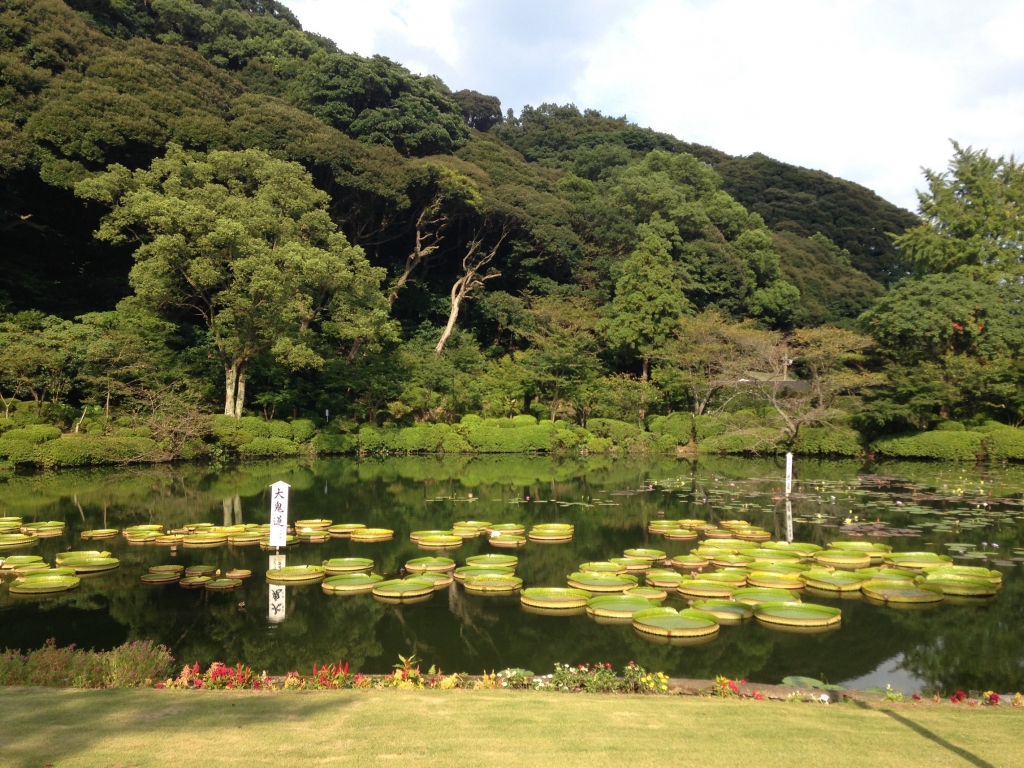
610, 502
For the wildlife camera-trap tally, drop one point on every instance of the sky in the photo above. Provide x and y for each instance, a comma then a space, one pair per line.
872, 91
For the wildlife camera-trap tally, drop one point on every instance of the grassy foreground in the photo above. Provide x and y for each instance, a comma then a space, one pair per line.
66, 728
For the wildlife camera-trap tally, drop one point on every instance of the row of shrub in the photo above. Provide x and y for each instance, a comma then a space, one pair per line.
737, 433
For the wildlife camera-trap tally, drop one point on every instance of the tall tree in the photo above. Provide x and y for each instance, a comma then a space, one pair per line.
243, 243
649, 299
973, 218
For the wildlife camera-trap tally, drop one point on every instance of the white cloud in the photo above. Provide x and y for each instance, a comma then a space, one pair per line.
870, 90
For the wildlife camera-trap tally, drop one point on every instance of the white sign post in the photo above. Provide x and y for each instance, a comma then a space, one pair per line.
276, 607
279, 514
789, 504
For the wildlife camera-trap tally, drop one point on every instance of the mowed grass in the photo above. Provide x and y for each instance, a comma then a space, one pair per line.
64, 728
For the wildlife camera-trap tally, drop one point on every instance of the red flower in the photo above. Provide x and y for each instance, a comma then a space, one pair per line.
993, 698
916, 696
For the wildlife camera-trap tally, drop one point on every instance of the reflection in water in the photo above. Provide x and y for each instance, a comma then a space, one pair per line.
889, 672
610, 502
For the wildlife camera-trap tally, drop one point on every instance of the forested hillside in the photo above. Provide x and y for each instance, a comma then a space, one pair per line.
205, 208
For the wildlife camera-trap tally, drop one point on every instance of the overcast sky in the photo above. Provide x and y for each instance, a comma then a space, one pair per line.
867, 90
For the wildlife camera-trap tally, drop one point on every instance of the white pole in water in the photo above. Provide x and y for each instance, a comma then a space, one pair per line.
789, 473
789, 504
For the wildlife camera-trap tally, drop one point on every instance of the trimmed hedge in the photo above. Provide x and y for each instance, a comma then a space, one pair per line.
947, 445
260, 447
618, 431
756, 440
487, 439
84, 450
31, 433
841, 441
1005, 443
599, 445
333, 443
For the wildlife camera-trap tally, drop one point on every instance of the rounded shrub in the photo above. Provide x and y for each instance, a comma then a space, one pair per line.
946, 445
523, 420
303, 430
835, 441
334, 443
618, 431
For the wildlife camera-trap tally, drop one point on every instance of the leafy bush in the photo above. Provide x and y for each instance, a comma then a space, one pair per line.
755, 440
599, 445
128, 666
709, 426
332, 443
32, 433
834, 441
374, 440
678, 425
1005, 443
19, 451
949, 426
564, 440
666, 443
259, 447
950, 446
455, 443
618, 431
524, 420
85, 450
303, 430
423, 438
252, 425
281, 429
488, 439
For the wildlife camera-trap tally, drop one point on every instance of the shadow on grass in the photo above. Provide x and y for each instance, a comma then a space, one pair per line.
933, 737
72, 722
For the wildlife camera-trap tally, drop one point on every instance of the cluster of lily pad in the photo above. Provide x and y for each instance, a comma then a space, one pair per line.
16, 534
35, 577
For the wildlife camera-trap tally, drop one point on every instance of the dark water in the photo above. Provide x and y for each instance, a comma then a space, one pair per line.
610, 502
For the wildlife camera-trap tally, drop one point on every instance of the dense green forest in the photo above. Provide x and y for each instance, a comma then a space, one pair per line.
224, 236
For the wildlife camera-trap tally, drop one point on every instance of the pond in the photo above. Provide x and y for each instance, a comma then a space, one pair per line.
610, 502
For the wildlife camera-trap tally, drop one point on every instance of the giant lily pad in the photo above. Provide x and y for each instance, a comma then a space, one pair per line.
371, 535
344, 530
424, 564
974, 572
602, 566
91, 564
668, 622
617, 606
770, 580
99, 533
690, 562
601, 582
701, 589
351, 583
417, 535
43, 584
338, 565
435, 542
223, 585
632, 564
555, 598
489, 561
403, 589
842, 559
297, 574
437, 578
804, 548
679, 534
837, 581
900, 592
471, 571
885, 574
662, 577
194, 582
726, 611
758, 595
551, 533
17, 540
17, 561
807, 615
654, 555
487, 585
313, 525
507, 529
156, 579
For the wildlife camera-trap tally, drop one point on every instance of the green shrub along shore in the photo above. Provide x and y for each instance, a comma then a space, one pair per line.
26, 443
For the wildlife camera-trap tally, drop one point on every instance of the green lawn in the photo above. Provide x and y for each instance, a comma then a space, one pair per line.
460, 728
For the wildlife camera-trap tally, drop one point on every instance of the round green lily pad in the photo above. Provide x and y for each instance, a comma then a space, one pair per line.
481, 585
798, 614
618, 606
425, 564
350, 583
504, 561
601, 582
667, 622
470, 571
726, 611
338, 565
297, 574
555, 598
